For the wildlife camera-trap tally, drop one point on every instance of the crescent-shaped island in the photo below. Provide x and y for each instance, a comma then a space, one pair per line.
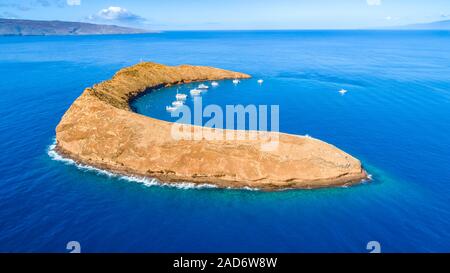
101, 130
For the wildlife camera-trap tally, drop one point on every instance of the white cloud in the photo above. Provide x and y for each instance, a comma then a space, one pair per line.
73, 2
392, 18
373, 2
117, 14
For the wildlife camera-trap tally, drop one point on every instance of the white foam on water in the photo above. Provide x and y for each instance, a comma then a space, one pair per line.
367, 180
57, 157
149, 182
250, 188
247, 188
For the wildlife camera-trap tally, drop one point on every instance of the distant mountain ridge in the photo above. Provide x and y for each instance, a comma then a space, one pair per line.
18, 27
439, 25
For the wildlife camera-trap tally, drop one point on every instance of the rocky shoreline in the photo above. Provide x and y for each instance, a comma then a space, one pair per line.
101, 130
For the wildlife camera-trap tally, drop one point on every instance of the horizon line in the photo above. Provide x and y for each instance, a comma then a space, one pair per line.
399, 27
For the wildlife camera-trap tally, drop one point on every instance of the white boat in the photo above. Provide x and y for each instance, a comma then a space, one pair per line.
214, 84
203, 86
195, 92
177, 103
171, 108
236, 81
181, 96
260, 81
343, 91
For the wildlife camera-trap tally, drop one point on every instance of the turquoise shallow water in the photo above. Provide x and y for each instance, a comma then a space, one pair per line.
395, 118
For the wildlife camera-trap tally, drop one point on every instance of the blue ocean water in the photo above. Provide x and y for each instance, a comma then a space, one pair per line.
395, 118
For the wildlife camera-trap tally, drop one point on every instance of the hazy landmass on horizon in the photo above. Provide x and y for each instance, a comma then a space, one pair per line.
439, 25
18, 27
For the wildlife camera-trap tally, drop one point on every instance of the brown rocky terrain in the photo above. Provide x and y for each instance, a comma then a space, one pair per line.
101, 130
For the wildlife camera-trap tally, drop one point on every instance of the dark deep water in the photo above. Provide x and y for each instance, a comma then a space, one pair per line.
395, 118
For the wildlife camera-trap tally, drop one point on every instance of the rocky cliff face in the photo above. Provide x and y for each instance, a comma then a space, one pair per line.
99, 129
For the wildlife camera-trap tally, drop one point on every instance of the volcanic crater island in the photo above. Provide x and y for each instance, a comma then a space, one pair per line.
100, 129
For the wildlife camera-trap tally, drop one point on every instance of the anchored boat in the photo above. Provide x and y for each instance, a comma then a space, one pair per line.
343, 91
195, 92
177, 103
181, 96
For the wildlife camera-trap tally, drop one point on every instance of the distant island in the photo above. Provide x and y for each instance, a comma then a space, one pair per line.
100, 129
439, 25
16, 27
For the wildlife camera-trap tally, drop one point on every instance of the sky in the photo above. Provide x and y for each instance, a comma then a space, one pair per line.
233, 14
